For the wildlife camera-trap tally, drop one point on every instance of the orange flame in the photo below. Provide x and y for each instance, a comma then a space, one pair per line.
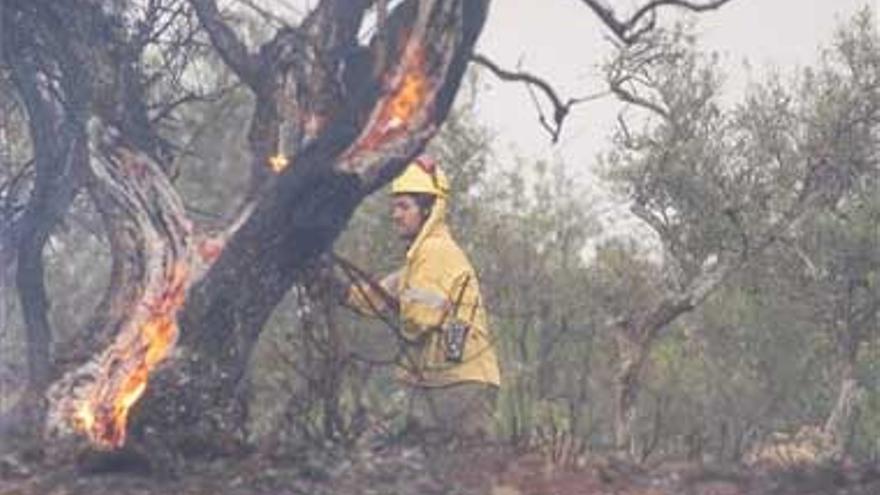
408, 94
126, 366
278, 163
407, 99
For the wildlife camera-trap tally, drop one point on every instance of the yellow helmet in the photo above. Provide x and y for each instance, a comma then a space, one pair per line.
421, 176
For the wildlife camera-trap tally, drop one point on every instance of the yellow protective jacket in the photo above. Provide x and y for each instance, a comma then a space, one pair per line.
435, 286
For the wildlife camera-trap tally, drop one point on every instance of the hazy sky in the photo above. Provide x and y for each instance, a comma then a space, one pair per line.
562, 41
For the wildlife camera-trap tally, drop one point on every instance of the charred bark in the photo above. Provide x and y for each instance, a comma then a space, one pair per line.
348, 131
302, 211
55, 108
150, 237
59, 61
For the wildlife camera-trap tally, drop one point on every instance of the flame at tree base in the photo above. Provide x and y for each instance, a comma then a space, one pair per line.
121, 374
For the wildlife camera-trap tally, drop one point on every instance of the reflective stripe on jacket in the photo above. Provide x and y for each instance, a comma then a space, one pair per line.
436, 286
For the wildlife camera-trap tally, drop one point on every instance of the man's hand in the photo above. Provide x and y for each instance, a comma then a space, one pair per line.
380, 296
391, 283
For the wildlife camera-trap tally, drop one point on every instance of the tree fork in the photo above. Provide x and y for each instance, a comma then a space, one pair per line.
297, 218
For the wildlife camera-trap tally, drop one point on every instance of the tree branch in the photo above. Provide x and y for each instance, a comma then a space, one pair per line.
151, 240
710, 279
228, 45
629, 30
560, 109
617, 87
267, 16
431, 58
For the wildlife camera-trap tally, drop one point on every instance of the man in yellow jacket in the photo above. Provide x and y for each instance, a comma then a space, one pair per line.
448, 359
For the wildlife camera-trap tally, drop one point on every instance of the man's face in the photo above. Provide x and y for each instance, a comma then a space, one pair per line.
406, 215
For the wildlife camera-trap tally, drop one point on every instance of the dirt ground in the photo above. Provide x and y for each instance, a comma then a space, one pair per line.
412, 470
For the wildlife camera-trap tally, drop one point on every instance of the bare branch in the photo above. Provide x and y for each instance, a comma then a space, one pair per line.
655, 222
165, 109
267, 16
158, 20
381, 38
617, 87
692, 6
631, 29
560, 109
228, 45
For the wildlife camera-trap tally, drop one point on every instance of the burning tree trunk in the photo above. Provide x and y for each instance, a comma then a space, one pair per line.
334, 121
150, 238
361, 145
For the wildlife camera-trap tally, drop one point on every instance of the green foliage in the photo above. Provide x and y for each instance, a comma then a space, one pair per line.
713, 182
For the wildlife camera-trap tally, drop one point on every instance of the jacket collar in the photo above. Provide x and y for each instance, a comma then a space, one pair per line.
435, 224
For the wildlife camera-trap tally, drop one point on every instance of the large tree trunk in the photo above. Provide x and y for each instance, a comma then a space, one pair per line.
55, 53
150, 238
298, 217
350, 135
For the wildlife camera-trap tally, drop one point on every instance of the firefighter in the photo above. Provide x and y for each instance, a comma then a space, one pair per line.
448, 360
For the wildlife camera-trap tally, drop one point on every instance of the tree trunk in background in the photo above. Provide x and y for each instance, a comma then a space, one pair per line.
839, 426
632, 354
55, 116
840, 423
635, 337
45, 211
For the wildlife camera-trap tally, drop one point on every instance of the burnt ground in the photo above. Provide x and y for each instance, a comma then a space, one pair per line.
410, 471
